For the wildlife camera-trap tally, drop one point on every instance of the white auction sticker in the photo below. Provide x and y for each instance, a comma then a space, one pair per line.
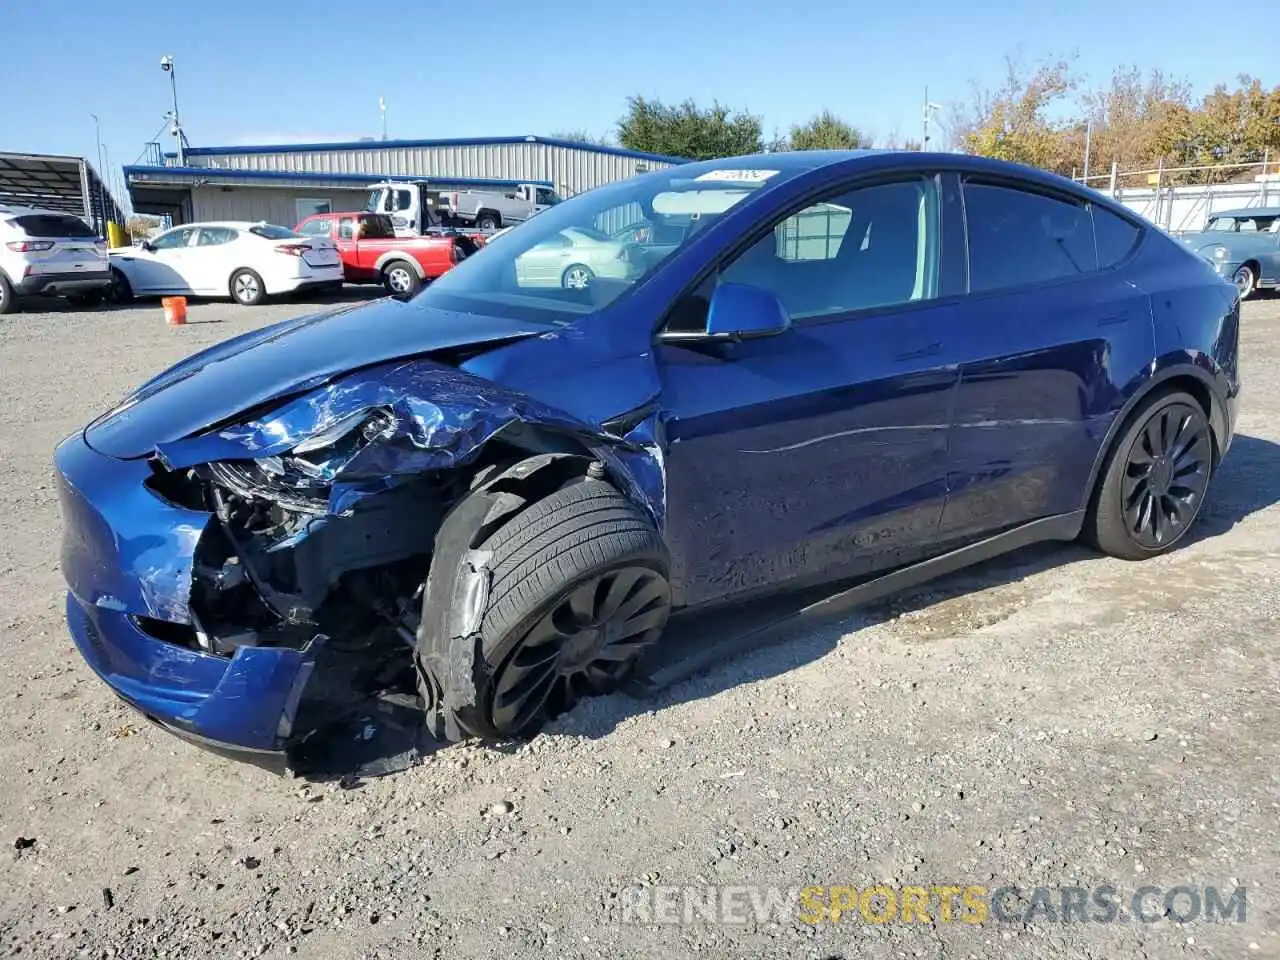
737, 176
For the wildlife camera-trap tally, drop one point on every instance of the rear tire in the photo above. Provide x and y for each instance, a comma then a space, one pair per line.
488, 220
8, 302
400, 279
577, 592
247, 288
1154, 481
576, 277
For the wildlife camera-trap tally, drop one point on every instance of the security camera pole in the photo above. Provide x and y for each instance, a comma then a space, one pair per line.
166, 64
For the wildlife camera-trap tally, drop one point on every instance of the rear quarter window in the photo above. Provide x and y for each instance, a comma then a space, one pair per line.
1017, 237
1115, 235
53, 226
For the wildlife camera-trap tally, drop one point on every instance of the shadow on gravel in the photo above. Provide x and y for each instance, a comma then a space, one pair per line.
712, 650
1248, 481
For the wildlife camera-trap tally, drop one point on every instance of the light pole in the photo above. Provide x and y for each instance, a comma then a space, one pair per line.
102, 199
167, 65
930, 109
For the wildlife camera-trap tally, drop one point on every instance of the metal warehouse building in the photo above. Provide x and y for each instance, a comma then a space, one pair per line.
284, 183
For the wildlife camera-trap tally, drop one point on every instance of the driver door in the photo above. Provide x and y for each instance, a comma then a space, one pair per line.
161, 269
819, 453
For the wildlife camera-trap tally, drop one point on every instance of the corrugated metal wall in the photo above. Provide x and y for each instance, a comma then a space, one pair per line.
272, 204
571, 170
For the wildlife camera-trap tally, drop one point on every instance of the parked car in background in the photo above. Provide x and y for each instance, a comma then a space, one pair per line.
47, 253
247, 262
418, 206
576, 256
372, 253
834, 368
1243, 246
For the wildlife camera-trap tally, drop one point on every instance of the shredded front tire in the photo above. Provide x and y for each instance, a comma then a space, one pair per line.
564, 597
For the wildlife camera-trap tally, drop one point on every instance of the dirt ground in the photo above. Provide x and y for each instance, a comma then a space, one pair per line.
1052, 719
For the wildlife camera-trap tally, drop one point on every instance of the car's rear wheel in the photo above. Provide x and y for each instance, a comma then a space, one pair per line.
400, 279
577, 592
488, 221
7, 300
1155, 479
1246, 281
247, 288
120, 291
576, 277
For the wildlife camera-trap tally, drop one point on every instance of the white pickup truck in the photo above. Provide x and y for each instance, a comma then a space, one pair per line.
405, 202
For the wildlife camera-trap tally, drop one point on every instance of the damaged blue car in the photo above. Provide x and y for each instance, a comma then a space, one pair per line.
820, 375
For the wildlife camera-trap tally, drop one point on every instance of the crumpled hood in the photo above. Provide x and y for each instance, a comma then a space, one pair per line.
285, 360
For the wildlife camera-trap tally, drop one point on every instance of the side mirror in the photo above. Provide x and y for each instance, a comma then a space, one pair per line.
739, 311
147, 246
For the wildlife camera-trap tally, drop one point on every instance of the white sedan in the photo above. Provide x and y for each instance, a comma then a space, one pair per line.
244, 261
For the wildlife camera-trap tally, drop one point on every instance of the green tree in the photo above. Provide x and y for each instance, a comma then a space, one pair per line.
1017, 121
687, 130
139, 226
826, 131
582, 136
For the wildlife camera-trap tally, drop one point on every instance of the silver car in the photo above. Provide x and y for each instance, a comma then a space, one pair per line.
574, 257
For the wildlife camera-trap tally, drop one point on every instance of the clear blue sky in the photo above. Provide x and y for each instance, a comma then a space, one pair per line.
269, 71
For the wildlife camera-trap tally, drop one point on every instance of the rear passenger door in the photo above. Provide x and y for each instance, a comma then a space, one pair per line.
1048, 318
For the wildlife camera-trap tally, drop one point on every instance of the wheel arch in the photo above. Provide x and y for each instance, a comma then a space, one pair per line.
393, 256
1185, 377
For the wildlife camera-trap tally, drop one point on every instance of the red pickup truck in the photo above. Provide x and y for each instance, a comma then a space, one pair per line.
372, 253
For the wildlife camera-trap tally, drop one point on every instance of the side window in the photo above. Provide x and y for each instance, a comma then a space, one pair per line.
1017, 238
404, 199
870, 247
1115, 237
173, 239
215, 236
347, 228
376, 228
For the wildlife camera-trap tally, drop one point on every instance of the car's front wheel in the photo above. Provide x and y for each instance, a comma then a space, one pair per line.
247, 288
576, 592
1154, 481
120, 290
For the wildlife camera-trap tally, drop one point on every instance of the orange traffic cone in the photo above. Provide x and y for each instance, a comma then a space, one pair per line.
175, 310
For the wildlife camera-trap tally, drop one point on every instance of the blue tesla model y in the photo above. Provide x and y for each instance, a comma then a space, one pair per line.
719, 382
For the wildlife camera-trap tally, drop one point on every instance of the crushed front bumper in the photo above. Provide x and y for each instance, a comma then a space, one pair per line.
127, 557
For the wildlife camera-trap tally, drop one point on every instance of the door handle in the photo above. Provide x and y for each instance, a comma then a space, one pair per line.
926, 351
1113, 320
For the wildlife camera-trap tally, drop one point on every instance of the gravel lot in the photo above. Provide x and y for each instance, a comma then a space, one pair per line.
1054, 719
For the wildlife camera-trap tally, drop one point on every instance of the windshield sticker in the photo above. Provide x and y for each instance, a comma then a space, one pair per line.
737, 176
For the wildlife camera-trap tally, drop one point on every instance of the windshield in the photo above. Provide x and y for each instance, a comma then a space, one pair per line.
375, 201
582, 254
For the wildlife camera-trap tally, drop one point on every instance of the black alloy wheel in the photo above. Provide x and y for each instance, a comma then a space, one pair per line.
583, 646
1166, 475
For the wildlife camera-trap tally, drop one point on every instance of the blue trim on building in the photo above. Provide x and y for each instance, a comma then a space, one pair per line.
400, 144
361, 179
